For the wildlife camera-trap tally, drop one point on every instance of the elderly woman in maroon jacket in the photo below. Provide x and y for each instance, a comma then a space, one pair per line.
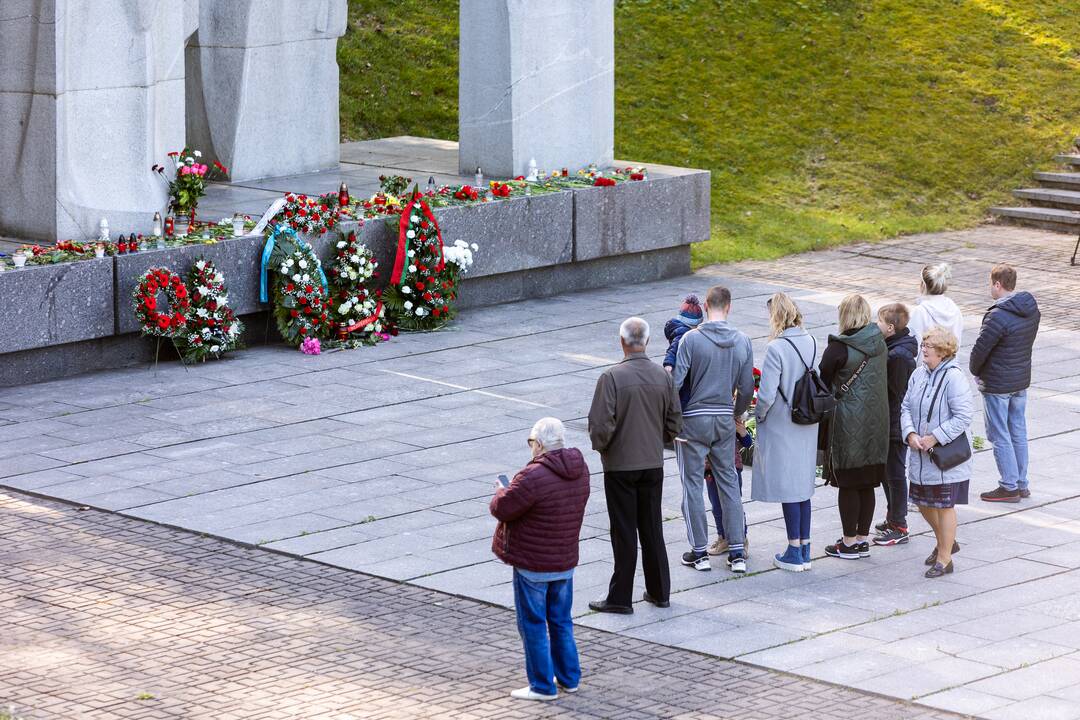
540, 514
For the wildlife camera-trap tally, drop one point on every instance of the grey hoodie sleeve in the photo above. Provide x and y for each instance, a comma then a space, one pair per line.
682, 360
744, 378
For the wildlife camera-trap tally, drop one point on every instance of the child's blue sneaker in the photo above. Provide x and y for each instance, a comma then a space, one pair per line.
791, 560
805, 555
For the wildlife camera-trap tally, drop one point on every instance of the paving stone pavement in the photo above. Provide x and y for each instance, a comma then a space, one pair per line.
381, 460
109, 617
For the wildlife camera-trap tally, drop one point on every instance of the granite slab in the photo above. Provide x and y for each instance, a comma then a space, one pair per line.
664, 211
54, 304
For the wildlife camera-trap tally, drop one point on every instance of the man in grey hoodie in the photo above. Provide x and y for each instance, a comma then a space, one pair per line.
717, 361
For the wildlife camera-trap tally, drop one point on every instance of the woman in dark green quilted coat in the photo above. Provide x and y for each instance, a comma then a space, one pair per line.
856, 437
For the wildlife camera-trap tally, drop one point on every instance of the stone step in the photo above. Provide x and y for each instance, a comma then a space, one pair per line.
1059, 180
1068, 159
1040, 217
1050, 197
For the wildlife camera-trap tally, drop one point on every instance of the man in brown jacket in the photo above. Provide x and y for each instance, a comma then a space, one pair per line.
635, 410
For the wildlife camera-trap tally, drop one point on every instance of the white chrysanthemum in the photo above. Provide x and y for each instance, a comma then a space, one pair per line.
412, 268
215, 348
202, 312
412, 253
303, 264
341, 244
307, 278
354, 258
219, 278
414, 218
410, 234
408, 305
420, 312
345, 309
289, 261
406, 289
296, 278
201, 264
197, 153
224, 299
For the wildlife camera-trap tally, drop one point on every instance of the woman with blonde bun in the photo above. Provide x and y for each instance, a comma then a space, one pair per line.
934, 307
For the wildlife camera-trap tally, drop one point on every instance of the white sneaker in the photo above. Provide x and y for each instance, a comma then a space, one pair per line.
526, 693
567, 689
737, 565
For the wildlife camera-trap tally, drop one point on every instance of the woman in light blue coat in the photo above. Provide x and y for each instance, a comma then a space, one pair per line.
937, 409
786, 454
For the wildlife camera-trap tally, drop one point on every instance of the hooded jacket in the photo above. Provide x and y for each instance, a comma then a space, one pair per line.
674, 329
934, 310
1001, 358
903, 350
540, 513
858, 431
947, 419
717, 361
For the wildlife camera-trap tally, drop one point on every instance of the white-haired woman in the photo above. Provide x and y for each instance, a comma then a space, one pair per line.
540, 514
933, 306
937, 410
785, 459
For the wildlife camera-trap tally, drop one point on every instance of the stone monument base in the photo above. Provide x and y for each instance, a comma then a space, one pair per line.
70, 318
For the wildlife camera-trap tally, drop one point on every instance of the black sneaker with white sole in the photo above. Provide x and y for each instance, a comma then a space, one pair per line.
737, 563
891, 536
840, 550
864, 549
697, 560
883, 526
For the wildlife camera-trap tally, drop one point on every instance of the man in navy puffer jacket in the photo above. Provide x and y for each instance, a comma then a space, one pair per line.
1001, 362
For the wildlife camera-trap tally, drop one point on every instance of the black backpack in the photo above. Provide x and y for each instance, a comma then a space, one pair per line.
812, 400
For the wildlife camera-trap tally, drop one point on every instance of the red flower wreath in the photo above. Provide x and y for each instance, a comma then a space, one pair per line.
170, 322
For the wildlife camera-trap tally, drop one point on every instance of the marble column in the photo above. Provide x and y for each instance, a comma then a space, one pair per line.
262, 92
91, 95
536, 80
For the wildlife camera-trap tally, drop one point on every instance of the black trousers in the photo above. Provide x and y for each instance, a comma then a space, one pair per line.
633, 501
856, 510
895, 487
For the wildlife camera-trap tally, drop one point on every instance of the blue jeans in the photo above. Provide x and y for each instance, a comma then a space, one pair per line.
1006, 428
547, 632
797, 520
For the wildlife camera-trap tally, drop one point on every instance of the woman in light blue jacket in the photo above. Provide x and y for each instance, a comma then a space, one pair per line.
937, 409
786, 454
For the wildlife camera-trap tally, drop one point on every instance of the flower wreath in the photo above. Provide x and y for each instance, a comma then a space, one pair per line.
308, 215
300, 298
356, 310
169, 324
212, 328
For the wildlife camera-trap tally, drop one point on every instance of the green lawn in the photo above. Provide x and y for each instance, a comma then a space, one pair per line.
822, 121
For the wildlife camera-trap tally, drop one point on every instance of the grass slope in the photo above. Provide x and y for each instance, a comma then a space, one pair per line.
822, 121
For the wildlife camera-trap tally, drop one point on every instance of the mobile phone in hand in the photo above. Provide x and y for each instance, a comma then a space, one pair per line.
504, 481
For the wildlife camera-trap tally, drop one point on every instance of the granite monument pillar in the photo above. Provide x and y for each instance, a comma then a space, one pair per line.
262, 92
537, 80
91, 95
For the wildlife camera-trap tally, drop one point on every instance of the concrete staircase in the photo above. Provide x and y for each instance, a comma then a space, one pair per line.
1054, 205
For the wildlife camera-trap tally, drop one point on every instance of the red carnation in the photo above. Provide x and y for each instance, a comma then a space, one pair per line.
294, 313
163, 323
307, 288
303, 330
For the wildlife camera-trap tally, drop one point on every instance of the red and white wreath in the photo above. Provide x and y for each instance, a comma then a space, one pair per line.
357, 309
170, 320
312, 216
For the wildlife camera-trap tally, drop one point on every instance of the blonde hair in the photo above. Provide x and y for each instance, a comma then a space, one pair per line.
854, 313
783, 314
935, 278
943, 340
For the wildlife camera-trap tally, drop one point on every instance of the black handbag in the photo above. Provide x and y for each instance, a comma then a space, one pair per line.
953, 453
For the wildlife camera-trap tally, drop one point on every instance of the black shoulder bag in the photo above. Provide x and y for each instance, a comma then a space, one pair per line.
955, 452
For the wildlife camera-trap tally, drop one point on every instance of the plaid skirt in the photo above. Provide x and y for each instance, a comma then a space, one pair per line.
940, 496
